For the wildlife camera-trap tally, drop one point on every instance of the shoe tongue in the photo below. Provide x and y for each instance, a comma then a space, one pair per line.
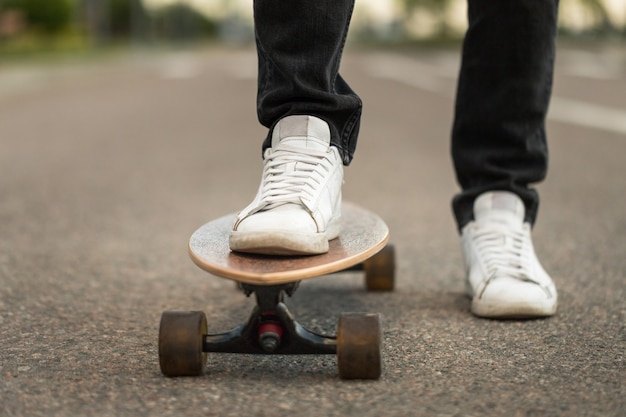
500, 207
306, 132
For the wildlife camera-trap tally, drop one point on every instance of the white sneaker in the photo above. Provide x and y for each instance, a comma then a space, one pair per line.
504, 276
297, 209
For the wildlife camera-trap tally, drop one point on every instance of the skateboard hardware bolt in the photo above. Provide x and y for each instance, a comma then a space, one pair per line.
269, 336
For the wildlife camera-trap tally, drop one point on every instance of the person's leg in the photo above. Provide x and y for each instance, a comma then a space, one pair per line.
499, 149
498, 137
313, 119
299, 45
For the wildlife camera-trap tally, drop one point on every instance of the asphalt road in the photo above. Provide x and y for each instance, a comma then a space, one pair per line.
107, 166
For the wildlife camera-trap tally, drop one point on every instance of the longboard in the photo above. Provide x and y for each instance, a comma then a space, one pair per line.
271, 329
363, 234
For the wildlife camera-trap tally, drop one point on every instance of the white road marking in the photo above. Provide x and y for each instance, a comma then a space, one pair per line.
582, 113
407, 71
606, 66
180, 66
441, 80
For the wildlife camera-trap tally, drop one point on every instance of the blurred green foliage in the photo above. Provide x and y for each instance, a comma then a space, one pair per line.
180, 21
48, 16
25, 24
118, 17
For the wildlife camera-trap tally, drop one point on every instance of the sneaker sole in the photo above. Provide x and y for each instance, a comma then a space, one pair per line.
519, 310
279, 243
285, 243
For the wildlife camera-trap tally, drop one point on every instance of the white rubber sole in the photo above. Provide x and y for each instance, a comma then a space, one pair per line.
513, 310
284, 242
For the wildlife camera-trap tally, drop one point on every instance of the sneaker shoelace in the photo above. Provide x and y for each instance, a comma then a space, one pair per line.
290, 175
505, 252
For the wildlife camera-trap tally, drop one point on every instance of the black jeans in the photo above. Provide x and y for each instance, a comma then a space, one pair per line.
504, 87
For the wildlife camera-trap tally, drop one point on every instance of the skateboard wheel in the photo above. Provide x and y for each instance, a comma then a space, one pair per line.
380, 270
181, 339
359, 341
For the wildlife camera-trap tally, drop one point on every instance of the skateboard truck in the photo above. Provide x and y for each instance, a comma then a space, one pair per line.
271, 329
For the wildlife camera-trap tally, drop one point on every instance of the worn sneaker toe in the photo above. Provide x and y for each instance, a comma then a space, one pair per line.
511, 298
282, 231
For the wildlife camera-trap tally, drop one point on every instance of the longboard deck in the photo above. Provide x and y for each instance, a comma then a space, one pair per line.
363, 234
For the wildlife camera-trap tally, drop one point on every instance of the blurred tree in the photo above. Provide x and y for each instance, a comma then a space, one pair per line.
96, 19
597, 8
179, 21
114, 19
436, 7
48, 16
128, 18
